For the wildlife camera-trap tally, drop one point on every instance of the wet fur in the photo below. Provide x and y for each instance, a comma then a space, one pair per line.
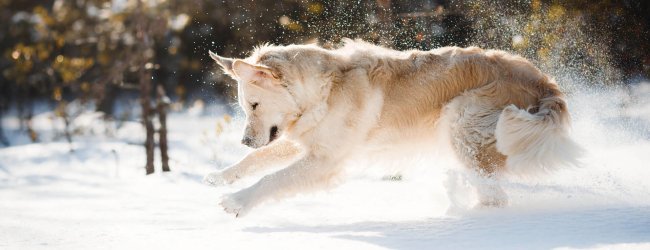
503, 114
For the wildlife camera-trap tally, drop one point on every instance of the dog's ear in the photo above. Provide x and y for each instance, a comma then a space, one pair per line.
224, 62
253, 73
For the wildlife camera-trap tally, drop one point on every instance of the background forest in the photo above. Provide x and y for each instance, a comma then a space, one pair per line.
134, 60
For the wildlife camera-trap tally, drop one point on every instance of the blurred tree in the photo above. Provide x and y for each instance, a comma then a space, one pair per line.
83, 49
94, 51
602, 41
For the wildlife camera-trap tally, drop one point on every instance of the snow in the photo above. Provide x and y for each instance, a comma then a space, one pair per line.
97, 196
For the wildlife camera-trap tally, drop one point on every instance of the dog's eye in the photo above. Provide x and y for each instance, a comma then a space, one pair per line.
254, 105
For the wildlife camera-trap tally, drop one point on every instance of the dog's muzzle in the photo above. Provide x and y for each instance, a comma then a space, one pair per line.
248, 141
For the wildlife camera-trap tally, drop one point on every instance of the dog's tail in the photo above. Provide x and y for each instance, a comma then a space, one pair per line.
537, 142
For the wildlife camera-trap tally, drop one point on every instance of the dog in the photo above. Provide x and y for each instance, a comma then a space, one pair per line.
308, 109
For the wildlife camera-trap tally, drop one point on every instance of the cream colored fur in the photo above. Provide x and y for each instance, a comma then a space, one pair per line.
327, 106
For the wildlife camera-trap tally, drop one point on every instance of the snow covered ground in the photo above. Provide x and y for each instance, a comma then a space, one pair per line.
97, 196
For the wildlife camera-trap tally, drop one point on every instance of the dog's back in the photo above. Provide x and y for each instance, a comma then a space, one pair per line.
502, 110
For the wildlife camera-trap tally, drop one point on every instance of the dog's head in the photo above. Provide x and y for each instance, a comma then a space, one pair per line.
273, 84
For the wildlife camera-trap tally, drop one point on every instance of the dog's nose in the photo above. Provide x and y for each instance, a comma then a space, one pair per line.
248, 141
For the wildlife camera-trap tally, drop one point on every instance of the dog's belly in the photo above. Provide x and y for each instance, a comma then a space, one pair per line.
464, 119
383, 140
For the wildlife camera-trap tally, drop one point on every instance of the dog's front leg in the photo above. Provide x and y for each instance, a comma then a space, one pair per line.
280, 152
308, 173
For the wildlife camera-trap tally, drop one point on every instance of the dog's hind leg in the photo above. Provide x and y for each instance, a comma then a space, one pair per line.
472, 126
278, 153
489, 163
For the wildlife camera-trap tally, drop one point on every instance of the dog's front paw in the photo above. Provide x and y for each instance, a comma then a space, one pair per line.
217, 179
236, 203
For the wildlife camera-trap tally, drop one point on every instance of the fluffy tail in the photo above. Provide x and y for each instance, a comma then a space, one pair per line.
537, 142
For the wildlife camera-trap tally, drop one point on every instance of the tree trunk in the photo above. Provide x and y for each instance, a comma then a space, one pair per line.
162, 132
145, 86
5, 95
3, 139
145, 101
28, 121
66, 129
107, 99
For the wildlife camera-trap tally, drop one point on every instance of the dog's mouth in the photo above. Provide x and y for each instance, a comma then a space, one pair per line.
273, 133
